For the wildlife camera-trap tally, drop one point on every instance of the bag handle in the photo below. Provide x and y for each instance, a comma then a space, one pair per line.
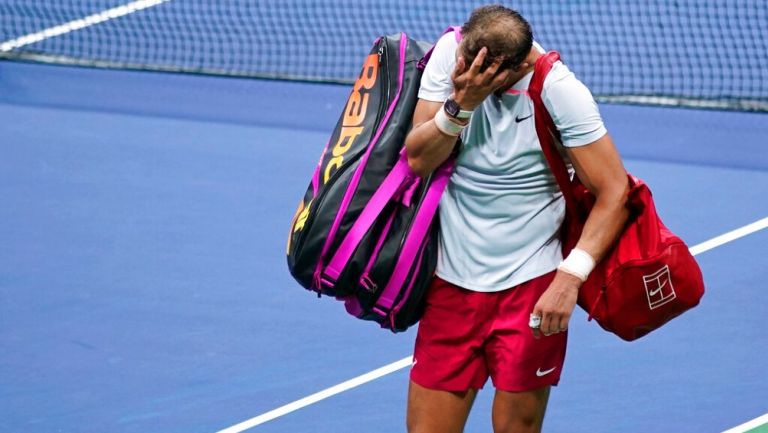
420, 226
400, 176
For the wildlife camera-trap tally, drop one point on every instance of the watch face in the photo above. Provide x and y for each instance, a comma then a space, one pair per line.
452, 108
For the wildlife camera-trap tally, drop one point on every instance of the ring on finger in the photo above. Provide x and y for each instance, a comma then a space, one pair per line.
534, 322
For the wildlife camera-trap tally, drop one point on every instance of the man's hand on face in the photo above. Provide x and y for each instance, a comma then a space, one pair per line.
471, 84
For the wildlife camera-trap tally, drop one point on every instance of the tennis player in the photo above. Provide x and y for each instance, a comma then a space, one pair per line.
503, 295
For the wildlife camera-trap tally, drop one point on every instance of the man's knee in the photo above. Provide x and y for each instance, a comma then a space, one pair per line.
519, 412
518, 423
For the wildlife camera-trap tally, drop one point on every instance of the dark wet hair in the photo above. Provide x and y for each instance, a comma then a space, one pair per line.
503, 31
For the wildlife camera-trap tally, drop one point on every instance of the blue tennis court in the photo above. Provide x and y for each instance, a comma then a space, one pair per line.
143, 284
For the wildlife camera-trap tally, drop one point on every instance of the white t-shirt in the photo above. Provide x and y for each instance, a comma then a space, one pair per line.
502, 210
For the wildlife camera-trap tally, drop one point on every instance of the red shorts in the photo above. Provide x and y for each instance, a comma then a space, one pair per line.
464, 337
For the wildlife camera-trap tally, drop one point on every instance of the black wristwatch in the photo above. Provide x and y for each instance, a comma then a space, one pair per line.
453, 109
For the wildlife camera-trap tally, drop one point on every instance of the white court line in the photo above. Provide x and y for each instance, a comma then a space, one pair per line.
314, 398
406, 362
78, 24
730, 236
747, 426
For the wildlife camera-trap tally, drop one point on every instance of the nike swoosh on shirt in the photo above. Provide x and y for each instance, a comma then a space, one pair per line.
540, 373
519, 119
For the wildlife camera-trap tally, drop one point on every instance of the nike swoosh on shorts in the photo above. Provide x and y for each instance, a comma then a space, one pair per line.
540, 373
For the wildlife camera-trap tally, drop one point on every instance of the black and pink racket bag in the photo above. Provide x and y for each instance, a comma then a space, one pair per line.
365, 231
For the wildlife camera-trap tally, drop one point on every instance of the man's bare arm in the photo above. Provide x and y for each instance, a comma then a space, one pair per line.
599, 167
427, 146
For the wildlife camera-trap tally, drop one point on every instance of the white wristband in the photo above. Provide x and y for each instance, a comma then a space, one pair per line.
578, 263
446, 125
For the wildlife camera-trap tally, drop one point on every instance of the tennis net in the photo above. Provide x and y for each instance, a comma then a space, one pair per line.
700, 53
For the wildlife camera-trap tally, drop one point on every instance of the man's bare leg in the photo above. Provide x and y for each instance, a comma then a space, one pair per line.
431, 411
519, 412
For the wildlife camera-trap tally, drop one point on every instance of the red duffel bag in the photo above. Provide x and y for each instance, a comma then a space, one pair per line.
649, 276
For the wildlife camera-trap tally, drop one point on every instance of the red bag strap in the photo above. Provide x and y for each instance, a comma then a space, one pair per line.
547, 132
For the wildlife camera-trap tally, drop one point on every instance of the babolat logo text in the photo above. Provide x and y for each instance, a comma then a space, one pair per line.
658, 287
354, 114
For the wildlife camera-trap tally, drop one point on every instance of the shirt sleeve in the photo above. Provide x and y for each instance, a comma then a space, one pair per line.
573, 110
436, 84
